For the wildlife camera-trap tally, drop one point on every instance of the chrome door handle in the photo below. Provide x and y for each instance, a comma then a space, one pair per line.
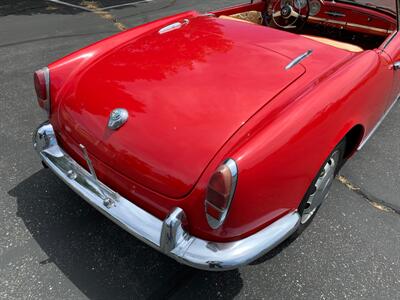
396, 65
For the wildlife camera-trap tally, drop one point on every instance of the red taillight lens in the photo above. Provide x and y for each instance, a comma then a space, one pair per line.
41, 81
219, 187
220, 191
40, 84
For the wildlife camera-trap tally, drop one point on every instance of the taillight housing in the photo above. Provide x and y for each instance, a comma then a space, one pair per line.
41, 79
220, 192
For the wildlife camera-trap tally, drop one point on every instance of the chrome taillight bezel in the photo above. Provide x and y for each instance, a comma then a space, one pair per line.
213, 222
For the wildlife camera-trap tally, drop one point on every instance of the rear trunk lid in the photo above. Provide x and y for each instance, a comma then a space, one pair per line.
187, 91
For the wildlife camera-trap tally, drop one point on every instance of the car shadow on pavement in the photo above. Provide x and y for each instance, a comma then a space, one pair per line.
274, 252
99, 258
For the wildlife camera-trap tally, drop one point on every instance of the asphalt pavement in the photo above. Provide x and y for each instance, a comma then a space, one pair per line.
54, 246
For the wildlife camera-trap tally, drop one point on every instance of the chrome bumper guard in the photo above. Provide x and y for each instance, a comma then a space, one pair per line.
167, 235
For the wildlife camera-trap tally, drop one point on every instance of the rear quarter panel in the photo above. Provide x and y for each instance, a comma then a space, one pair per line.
282, 148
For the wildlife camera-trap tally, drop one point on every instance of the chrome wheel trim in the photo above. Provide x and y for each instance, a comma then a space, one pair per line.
321, 187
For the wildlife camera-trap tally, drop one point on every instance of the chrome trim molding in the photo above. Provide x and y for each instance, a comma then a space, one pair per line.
389, 39
173, 26
326, 20
376, 29
107, 200
344, 23
366, 139
46, 73
398, 14
298, 59
335, 14
167, 236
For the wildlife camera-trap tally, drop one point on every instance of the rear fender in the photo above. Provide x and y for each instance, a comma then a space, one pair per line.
282, 148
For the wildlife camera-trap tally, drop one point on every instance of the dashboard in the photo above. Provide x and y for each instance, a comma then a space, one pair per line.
349, 17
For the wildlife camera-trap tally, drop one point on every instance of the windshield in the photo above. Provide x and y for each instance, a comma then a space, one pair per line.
383, 5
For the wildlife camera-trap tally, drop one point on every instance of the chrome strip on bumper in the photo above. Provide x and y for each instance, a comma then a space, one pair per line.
167, 235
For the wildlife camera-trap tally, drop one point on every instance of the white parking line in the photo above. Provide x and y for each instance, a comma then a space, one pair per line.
102, 8
69, 4
125, 4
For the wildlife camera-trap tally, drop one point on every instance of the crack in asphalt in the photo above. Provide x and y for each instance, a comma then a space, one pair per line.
83, 7
94, 7
373, 201
168, 5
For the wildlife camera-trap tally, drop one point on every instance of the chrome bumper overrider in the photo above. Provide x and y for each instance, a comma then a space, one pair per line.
167, 235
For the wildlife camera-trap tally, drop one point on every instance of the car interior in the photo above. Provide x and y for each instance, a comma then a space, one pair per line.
348, 25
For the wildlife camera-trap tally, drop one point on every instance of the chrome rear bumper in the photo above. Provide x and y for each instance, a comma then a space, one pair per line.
167, 235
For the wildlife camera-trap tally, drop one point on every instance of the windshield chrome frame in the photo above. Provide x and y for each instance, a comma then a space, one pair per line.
351, 2
398, 15
394, 34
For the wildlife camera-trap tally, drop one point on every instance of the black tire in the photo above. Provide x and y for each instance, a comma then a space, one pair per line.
340, 148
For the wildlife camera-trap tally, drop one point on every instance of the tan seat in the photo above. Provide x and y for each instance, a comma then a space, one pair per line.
251, 16
234, 19
337, 44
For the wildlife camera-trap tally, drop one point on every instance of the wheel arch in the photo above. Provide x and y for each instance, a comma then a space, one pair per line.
353, 138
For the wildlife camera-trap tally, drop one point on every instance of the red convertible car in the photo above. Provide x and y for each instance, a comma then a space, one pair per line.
214, 137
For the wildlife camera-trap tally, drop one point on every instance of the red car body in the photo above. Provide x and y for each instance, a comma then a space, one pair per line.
212, 90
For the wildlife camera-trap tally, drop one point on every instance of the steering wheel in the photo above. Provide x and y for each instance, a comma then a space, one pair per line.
290, 14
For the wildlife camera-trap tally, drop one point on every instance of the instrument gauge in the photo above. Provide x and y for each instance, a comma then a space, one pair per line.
315, 7
300, 4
